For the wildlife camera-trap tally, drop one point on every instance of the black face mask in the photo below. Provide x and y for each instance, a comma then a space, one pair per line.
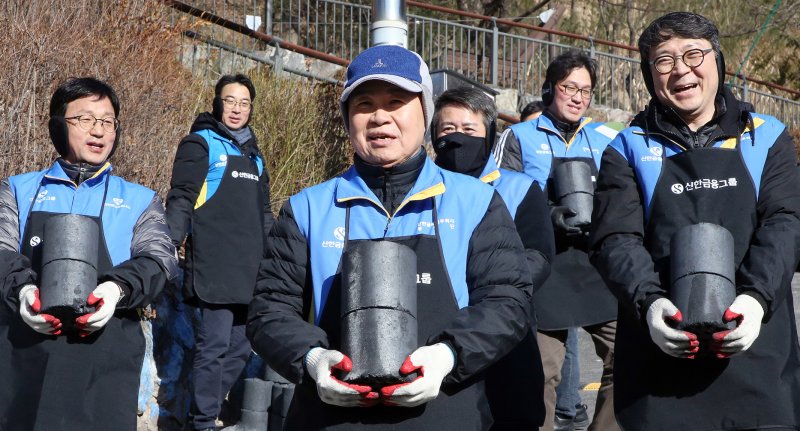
461, 153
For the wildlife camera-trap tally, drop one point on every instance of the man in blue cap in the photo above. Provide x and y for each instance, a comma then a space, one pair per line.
468, 315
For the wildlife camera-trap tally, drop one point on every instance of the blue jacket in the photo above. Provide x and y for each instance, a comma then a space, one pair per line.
200, 162
320, 215
133, 222
305, 247
125, 202
219, 148
512, 186
646, 157
530, 146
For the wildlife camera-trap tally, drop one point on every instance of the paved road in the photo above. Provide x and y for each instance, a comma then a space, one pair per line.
592, 367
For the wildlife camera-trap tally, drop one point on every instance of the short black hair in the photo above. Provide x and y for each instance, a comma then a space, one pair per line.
77, 88
235, 79
466, 97
565, 63
686, 25
532, 108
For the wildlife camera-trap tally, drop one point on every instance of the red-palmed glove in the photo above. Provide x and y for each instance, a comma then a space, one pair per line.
29, 308
320, 364
747, 312
674, 342
432, 363
104, 298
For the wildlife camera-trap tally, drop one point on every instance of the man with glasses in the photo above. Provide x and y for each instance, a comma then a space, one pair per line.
696, 154
84, 373
219, 207
574, 295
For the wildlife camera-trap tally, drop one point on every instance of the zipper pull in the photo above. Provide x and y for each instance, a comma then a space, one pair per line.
386, 229
81, 174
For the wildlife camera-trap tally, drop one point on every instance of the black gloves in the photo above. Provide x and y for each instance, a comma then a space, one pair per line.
558, 215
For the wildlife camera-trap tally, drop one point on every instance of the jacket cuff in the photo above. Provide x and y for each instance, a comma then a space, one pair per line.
648, 301
452, 350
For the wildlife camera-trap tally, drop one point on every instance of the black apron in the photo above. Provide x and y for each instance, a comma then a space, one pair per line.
225, 246
67, 382
574, 294
513, 387
654, 391
458, 407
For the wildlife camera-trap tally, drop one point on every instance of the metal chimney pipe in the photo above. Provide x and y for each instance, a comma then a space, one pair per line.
389, 23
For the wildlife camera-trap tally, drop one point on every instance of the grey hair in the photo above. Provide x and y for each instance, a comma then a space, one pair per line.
467, 97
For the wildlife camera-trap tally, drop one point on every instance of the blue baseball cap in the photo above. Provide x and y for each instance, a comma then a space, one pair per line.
395, 65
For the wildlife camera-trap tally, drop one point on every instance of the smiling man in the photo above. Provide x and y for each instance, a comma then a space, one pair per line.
84, 374
574, 295
473, 282
696, 154
219, 206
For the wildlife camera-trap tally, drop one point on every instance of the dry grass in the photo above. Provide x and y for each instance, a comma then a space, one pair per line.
123, 43
134, 46
796, 137
299, 129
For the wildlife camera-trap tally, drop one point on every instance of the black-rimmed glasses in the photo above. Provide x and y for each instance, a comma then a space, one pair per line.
571, 90
692, 58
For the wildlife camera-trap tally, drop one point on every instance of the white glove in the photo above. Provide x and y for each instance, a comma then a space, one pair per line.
320, 363
680, 344
747, 312
432, 363
104, 298
29, 307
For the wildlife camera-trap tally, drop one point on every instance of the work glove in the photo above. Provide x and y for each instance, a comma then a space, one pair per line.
29, 307
747, 312
104, 298
432, 363
320, 364
558, 215
661, 317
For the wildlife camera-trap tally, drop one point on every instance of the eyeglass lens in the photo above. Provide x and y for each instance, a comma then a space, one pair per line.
87, 122
691, 58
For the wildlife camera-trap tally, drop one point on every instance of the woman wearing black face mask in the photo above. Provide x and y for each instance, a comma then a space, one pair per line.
463, 134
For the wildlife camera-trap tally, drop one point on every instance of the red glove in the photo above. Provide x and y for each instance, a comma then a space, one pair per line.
29, 307
320, 364
747, 312
104, 298
432, 363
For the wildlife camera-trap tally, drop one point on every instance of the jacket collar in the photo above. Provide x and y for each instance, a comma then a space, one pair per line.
490, 172
56, 173
544, 123
350, 186
729, 121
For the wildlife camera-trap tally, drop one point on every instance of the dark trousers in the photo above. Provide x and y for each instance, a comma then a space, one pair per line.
552, 347
220, 353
